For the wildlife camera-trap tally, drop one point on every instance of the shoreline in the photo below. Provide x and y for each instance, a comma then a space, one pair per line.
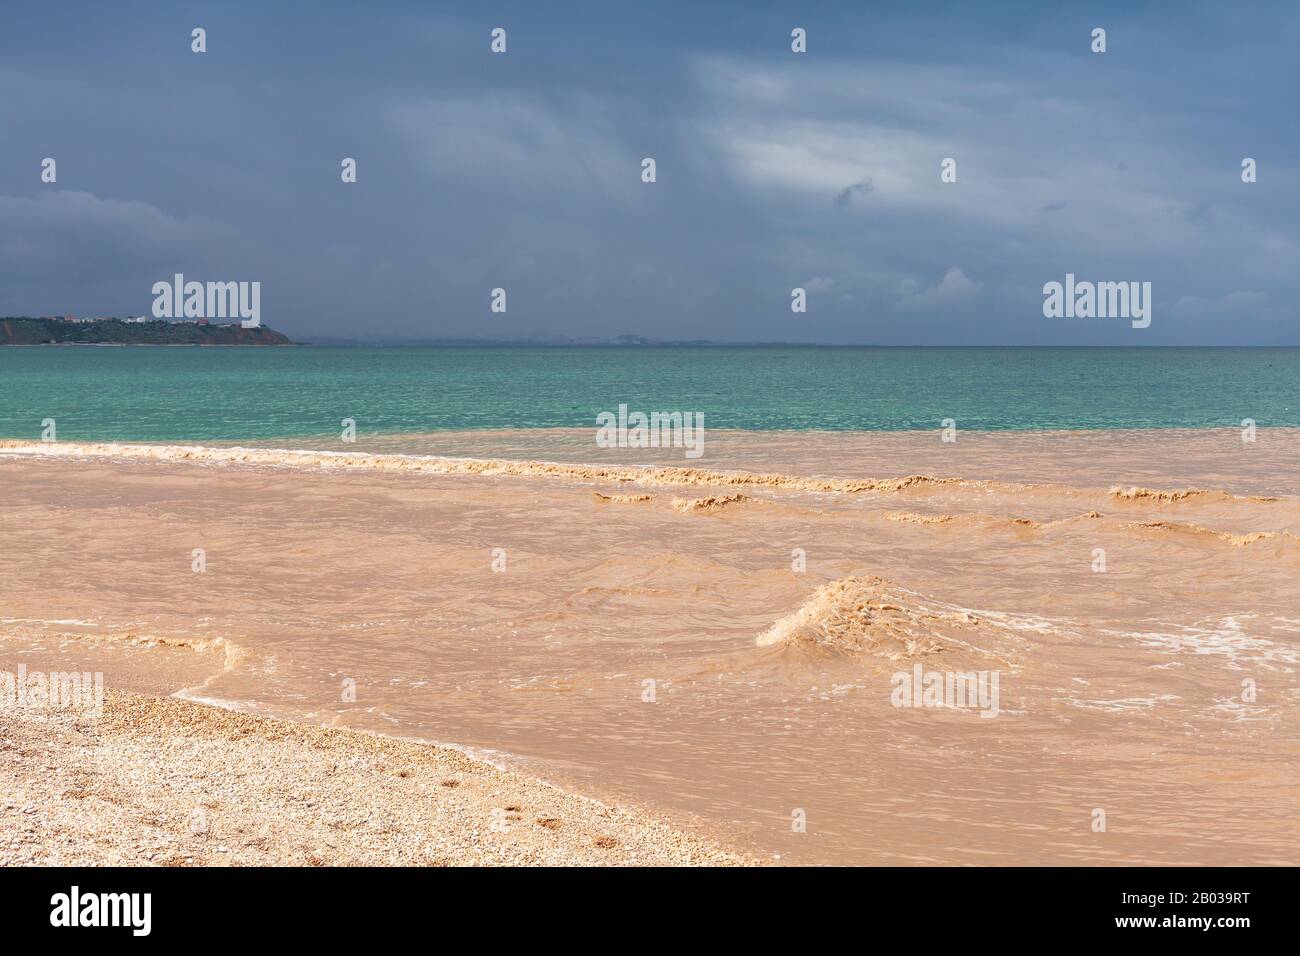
1054, 431
778, 461
164, 781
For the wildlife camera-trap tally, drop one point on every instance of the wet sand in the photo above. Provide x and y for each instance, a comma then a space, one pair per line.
721, 639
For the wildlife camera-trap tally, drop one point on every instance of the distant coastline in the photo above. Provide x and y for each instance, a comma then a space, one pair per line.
562, 342
25, 330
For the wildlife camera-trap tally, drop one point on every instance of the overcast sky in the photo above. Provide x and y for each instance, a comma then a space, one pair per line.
523, 170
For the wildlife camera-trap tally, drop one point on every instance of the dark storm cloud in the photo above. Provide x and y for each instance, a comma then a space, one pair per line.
523, 170
843, 197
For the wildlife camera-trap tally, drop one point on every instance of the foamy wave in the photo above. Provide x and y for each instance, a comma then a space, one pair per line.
1185, 494
911, 517
238, 706
708, 505
870, 615
661, 475
483, 467
1238, 711
1195, 530
1225, 637
1125, 706
108, 635
46, 621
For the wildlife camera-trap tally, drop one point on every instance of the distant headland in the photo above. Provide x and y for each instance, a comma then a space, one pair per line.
68, 330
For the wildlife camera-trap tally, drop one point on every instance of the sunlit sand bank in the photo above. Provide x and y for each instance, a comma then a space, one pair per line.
168, 782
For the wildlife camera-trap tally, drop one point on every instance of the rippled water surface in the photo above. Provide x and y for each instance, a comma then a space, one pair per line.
234, 394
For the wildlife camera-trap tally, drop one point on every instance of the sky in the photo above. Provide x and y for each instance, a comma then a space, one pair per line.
774, 170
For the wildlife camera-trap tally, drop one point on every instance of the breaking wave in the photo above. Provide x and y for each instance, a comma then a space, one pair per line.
911, 517
1185, 494
1195, 530
650, 475
484, 467
622, 499
869, 615
708, 505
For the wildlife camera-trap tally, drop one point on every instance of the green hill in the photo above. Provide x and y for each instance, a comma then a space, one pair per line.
29, 331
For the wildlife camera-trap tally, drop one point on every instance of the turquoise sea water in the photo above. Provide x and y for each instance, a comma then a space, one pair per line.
234, 394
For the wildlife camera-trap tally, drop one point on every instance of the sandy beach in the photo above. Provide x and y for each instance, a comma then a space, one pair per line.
722, 646
165, 782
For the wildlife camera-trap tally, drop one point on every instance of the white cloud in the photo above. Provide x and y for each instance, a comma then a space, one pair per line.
954, 287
